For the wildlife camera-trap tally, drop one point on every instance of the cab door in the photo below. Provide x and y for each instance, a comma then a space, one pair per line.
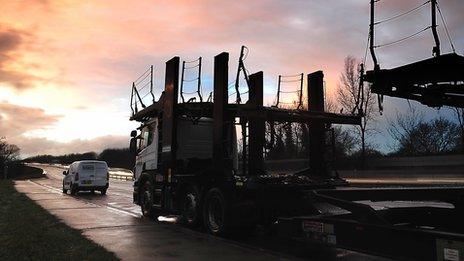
147, 158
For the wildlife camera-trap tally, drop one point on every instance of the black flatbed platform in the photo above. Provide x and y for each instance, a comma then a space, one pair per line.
205, 109
435, 82
429, 227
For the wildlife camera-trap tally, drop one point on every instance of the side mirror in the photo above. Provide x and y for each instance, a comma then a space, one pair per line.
133, 146
65, 172
133, 133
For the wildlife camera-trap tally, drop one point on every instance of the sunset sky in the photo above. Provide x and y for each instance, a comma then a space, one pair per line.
66, 66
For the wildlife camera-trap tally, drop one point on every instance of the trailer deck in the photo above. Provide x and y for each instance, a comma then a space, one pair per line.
435, 82
419, 229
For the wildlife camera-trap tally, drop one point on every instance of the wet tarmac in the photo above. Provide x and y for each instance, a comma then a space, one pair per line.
114, 222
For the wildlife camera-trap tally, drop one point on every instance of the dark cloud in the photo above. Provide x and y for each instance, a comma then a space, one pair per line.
11, 41
16, 120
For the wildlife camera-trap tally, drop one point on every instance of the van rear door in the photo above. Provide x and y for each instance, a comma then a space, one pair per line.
101, 171
87, 173
94, 172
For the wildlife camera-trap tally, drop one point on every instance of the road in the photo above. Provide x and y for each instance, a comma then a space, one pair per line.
114, 222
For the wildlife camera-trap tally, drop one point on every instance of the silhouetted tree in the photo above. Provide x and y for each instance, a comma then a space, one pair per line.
414, 136
289, 141
304, 139
347, 97
345, 143
8, 154
119, 158
280, 146
459, 113
62, 159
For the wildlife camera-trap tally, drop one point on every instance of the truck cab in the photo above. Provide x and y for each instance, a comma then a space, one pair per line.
146, 149
194, 157
194, 143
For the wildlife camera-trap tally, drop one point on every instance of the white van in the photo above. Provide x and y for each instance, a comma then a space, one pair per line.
86, 175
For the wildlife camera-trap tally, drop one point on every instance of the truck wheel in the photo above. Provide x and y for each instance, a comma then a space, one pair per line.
216, 213
190, 208
146, 200
103, 192
73, 189
65, 191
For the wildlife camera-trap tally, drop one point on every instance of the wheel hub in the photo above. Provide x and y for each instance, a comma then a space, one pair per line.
146, 201
190, 207
215, 215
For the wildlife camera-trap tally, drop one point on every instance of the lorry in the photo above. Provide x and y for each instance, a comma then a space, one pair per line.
188, 162
187, 155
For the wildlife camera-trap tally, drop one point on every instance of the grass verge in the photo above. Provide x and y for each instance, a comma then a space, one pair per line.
28, 232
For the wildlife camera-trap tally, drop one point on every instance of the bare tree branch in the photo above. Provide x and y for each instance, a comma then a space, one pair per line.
347, 97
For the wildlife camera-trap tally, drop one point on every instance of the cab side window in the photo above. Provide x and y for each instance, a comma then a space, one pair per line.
150, 137
146, 135
146, 138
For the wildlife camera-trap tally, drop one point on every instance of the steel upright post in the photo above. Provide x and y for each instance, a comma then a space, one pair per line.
316, 127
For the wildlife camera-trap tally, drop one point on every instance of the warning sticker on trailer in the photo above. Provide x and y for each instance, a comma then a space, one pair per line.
319, 231
313, 226
166, 149
451, 254
318, 227
449, 250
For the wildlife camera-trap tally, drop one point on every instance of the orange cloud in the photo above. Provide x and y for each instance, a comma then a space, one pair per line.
16, 120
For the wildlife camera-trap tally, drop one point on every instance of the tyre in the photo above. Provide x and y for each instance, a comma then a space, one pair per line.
74, 189
65, 191
92, 191
190, 207
103, 191
216, 216
146, 201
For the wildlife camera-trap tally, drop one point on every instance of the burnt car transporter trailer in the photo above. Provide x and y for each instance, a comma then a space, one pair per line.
209, 187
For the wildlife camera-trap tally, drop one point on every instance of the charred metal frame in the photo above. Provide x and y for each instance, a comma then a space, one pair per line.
406, 233
136, 98
221, 123
436, 49
169, 123
253, 115
316, 127
256, 126
299, 91
435, 82
241, 68
198, 79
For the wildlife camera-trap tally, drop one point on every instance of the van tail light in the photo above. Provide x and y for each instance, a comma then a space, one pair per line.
107, 176
76, 177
